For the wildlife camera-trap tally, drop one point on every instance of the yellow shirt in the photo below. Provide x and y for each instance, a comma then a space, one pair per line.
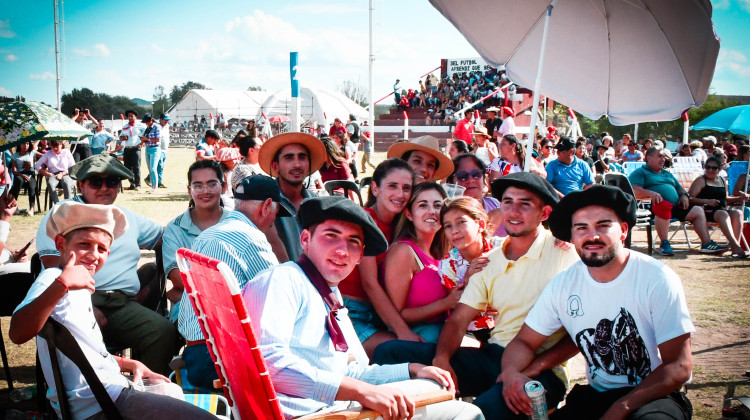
513, 287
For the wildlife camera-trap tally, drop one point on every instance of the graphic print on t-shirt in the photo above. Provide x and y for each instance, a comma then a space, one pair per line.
615, 347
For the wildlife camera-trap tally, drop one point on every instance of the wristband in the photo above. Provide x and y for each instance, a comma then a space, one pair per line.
4, 230
58, 279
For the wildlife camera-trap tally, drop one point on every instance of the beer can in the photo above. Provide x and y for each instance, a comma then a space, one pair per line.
535, 392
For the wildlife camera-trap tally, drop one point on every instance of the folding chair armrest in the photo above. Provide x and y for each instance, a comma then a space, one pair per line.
420, 400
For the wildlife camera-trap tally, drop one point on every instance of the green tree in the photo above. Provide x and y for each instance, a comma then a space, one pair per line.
161, 101
178, 92
101, 105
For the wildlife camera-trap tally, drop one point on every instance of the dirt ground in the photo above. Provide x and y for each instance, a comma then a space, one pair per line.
717, 290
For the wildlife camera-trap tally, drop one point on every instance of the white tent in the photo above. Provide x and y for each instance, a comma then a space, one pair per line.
232, 103
319, 105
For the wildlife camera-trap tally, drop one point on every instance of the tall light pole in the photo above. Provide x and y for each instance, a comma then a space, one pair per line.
57, 6
371, 116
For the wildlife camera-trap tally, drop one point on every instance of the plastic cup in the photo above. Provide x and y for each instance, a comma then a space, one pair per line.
453, 190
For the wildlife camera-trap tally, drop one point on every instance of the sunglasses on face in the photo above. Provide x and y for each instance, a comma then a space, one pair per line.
464, 176
712, 168
96, 182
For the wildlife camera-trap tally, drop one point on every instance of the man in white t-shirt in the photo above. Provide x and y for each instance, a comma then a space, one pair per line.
163, 145
625, 311
83, 234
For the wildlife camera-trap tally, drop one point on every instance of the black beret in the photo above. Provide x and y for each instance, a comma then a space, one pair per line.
317, 210
561, 219
526, 181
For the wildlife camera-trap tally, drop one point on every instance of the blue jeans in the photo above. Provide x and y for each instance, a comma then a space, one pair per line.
477, 370
160, 167
153, 156
200, 367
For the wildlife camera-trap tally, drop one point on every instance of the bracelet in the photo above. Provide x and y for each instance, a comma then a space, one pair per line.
63, 283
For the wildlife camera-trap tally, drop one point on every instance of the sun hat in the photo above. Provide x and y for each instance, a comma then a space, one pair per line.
426, 144
271, 147
317, 210
228, 153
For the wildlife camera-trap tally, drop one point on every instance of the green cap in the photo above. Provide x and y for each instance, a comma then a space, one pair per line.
102, 164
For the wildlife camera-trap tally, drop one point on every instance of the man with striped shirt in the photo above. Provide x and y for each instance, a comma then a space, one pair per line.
240, 241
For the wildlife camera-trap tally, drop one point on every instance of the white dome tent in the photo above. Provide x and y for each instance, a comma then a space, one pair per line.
316, 105
239, 104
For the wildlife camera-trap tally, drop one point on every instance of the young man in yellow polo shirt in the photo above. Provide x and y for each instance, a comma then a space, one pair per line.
511, 282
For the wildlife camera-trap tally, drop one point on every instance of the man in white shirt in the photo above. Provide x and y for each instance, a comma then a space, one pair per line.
164, 145
315, 359
625, 311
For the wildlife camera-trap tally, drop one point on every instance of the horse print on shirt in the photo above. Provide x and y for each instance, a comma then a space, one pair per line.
615, 347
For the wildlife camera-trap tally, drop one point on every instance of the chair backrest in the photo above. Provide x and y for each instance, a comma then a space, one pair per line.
629, 167
346, 185
734, 171
687, 164
59, 338
619, 180
217, 301
213, 403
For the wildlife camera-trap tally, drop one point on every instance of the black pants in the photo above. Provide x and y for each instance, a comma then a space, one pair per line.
585, 402
131, 158
82, 151
19, 183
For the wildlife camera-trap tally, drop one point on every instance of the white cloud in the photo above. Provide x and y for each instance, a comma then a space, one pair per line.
732, 56
327, 9
5, 31
5, 92
11, 58
720, 4
43, 76
97, 50
733, 62
744, 4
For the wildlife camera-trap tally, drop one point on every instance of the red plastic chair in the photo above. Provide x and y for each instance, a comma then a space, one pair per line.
217, 301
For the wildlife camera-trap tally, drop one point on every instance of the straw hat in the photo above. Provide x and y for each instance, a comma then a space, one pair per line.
480, 131
315, 148
426, 144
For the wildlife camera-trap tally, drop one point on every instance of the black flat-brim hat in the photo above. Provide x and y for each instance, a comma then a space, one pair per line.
526, 181
129, 111
102, 164
317, 210
260, 188
561, 219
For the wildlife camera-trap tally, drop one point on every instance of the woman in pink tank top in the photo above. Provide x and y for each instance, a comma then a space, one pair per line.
412, 279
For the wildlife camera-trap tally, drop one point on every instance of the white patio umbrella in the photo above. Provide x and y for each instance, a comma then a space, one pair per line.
631, 60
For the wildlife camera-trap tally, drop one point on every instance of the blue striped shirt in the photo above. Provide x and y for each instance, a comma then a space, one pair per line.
240, 244
288, 312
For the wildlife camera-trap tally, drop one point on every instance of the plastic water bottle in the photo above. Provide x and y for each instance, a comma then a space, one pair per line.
23, 394
535, 392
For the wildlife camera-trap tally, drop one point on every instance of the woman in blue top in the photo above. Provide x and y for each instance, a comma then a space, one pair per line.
205, 183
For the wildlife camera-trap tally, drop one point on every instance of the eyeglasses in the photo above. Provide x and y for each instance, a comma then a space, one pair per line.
712, 168
463, 176
210, 186
96, 182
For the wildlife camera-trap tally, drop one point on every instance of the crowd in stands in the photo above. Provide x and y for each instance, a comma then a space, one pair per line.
467, 289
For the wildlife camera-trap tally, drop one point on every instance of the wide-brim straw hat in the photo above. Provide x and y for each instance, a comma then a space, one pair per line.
426, 144
314, 147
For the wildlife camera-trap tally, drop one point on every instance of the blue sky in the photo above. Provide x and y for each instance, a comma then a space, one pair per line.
234, 44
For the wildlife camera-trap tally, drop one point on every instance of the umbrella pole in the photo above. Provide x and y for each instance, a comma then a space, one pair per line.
537, 86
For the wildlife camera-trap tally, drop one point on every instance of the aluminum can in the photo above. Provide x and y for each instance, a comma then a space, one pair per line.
535, 392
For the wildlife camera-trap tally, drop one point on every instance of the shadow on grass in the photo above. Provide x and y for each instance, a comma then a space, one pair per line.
726, 346
163, 197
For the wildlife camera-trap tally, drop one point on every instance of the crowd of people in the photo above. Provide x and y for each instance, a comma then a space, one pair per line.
478, 291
